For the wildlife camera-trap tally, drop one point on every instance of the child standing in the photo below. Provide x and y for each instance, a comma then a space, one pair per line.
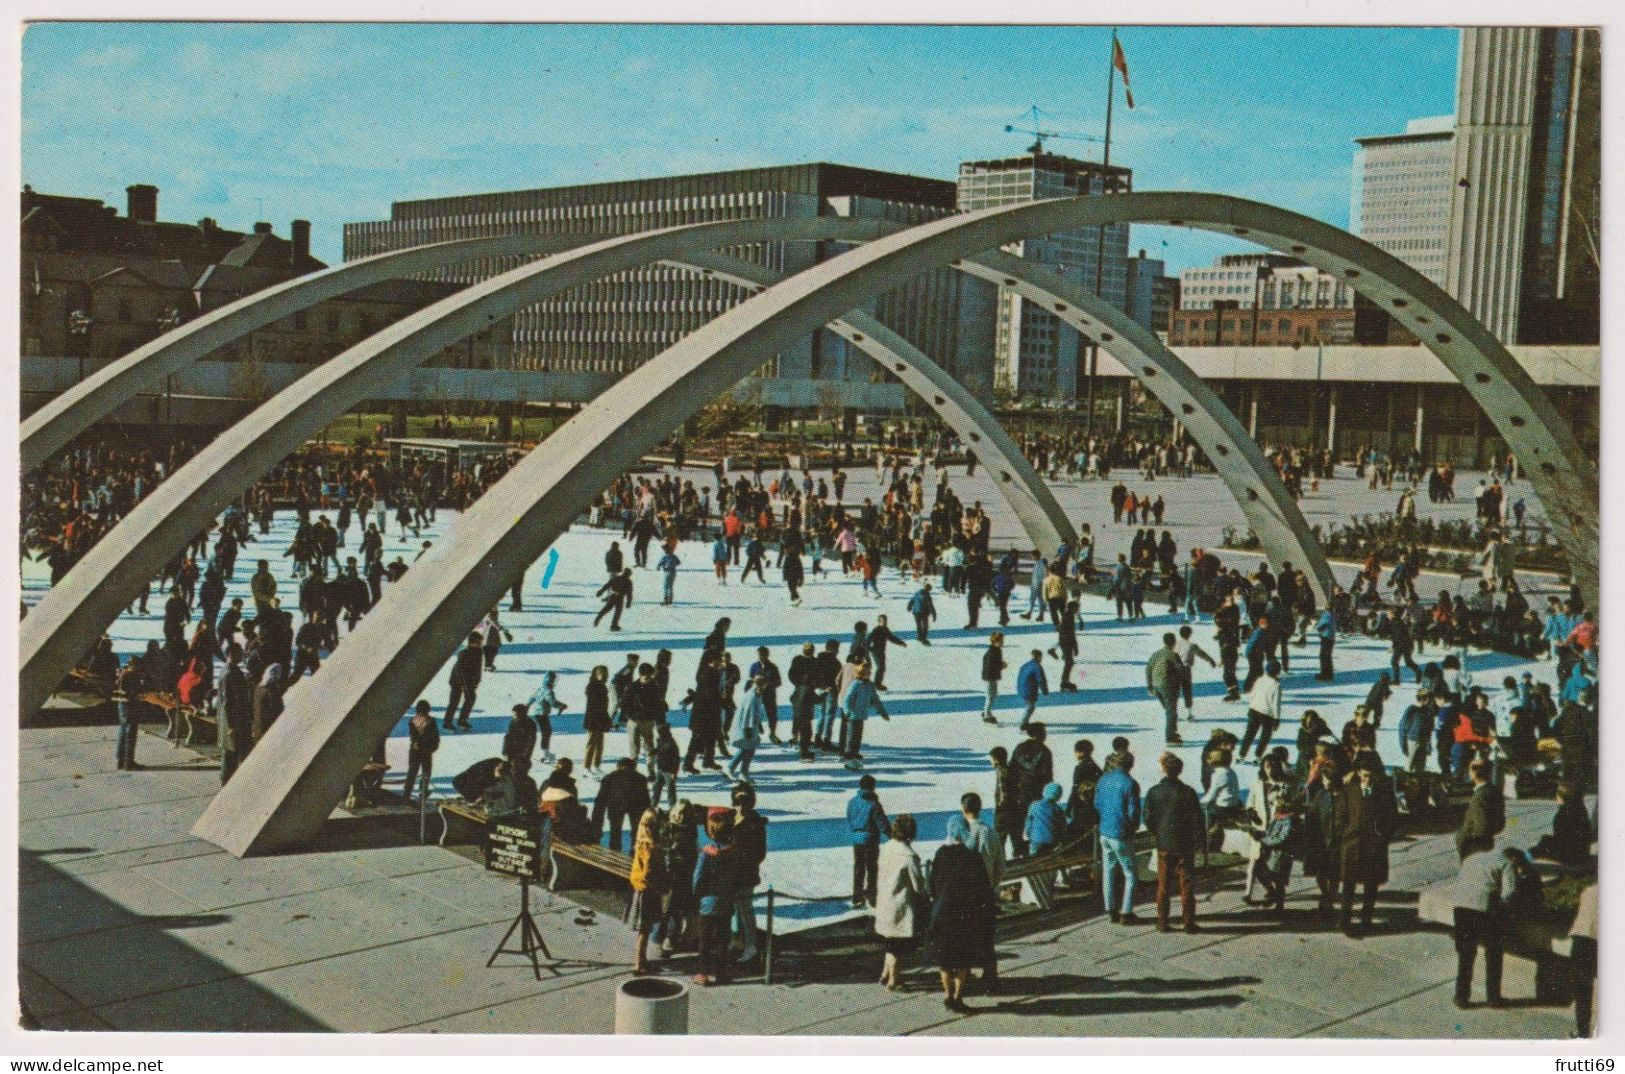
668, 759
715, 887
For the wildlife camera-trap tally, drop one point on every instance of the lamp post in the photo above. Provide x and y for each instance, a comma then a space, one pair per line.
79, 331
167, 322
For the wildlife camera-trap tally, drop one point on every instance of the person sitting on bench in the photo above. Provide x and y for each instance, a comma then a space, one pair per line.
476, 779
1569, 842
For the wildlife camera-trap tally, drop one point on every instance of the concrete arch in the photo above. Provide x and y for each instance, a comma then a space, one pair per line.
54, 425
291, 782
71, 616
1041, 517
1264, 501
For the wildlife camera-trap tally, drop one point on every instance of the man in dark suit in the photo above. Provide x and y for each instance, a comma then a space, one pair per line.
622, 796
1486, 812
1173, 812
1365, 819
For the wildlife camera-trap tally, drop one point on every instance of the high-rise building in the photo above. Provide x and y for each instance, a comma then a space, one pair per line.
1524, 219
1402, 188
1271, 281
1035, 354
617, 323
1152, 293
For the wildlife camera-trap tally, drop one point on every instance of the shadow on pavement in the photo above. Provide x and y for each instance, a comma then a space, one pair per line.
244, 1007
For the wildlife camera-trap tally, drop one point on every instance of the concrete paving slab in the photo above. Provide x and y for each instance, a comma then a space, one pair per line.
1326, 972
471, 888
40, 996
335, 921
1431, 1014
120, 964
91, 864
68, 757
220, 881
136, 828
536, 1011
431, 977
98, 792
68, 906
232, 1005
75, 1020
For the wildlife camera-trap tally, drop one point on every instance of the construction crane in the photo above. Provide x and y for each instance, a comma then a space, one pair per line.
1039, 134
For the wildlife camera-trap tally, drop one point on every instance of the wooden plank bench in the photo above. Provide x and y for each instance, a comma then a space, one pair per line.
185, 721
591, 855
81, 683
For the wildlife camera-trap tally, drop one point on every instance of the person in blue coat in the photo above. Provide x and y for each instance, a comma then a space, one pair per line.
1326, 631
719, 559
924, 611
1046, 821
1004, 584
1117, 800
1031, 684
668, 569
861, 701
866, 819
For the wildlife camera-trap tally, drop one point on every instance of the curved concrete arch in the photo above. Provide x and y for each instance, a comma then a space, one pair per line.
1264, 501
72, 615
1041, 517
290, 783
1251, 479
54, 425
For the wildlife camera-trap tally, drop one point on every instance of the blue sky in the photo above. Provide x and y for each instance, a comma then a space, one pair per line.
332, 123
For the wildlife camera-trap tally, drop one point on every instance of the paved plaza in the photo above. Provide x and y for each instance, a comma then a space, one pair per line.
128, 923
369, 931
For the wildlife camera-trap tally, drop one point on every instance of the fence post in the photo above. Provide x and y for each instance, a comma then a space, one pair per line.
767, 954
423, 807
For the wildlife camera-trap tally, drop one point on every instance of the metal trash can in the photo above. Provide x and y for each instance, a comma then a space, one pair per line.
651, 1005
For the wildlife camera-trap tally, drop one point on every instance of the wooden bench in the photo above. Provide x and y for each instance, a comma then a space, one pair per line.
185, 721
81, 683
1423, 792
590, 855
1040, 871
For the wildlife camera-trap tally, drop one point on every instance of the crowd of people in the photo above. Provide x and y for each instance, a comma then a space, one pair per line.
1332, 809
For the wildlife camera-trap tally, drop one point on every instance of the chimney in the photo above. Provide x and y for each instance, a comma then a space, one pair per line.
142, 204
301, 241
262, 228
207, 225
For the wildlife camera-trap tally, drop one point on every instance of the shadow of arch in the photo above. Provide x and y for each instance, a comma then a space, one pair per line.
296, 775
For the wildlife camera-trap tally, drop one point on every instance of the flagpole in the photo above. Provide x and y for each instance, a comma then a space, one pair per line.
1100, 244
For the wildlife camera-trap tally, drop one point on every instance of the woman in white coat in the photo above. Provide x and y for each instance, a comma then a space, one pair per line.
900, 894
1271, 781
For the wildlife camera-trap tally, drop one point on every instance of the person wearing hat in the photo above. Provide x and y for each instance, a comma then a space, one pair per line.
1046, 820
1365, 819
1416, 730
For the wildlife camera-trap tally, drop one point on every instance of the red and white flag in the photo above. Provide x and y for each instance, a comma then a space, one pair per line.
1120, 62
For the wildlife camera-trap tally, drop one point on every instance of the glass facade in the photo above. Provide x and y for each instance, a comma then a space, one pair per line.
615, 324
1035, 353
